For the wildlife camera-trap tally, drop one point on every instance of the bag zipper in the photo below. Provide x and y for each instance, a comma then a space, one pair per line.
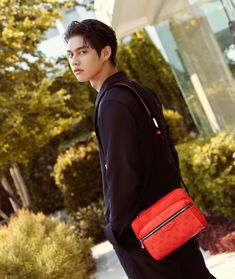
164, 223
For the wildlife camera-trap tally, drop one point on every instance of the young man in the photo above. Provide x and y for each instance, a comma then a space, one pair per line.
135, 164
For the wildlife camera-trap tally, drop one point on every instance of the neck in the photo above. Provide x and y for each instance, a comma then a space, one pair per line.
99, 79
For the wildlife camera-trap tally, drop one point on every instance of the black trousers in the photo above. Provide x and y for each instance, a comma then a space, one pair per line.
185, 263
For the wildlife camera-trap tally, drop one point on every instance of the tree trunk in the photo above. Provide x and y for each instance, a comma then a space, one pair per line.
20, 185
13, 200
3, 215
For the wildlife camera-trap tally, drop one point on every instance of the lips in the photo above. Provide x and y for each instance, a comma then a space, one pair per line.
77, 71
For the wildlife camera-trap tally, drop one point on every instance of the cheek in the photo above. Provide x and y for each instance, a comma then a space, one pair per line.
96, 63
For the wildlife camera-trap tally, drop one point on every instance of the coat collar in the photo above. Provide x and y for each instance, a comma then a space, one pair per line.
119, 76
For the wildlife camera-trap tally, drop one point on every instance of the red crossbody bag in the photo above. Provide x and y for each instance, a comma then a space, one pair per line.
171, 221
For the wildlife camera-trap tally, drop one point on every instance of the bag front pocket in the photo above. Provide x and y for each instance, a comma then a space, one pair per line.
171, 232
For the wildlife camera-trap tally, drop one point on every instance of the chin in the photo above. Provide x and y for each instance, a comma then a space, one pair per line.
81, 79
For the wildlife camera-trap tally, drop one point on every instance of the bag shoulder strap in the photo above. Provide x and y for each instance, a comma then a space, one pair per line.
131, 85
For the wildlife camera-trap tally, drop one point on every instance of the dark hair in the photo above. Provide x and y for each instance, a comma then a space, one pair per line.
95, 33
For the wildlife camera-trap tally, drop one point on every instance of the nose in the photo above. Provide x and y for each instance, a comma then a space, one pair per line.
75, 61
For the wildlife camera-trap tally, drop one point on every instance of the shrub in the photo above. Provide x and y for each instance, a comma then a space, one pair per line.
227, 243
33, 246
77, 174
208, 168
45, 195
88, 222
219, 235
177, 130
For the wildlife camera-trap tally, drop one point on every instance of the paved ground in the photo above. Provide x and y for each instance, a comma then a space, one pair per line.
222, 266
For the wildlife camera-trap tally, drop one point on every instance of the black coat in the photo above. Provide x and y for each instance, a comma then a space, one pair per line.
138, 166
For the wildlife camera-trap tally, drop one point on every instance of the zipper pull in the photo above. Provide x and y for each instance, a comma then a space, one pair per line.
158, 132
141, 244
155, 122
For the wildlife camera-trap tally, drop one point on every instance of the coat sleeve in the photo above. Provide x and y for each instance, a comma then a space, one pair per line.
120, 141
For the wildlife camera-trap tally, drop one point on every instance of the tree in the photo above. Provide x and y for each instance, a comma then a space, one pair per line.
31, 113
45, 195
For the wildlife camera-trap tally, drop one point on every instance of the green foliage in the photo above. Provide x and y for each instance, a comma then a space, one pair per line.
82, 95
33, 246
30, 114
77, 174
89, 222
45, 195
208, 168
40, 101
23, 25
177, 130
31, 121
142, 61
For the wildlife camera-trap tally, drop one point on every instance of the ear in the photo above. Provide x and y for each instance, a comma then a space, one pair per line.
106, 53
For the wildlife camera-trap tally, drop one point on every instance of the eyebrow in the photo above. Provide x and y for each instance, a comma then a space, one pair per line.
78, 48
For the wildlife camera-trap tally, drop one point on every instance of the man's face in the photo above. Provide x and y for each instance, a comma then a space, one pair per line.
84, 60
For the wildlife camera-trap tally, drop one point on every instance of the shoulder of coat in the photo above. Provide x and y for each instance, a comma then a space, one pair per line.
121, 94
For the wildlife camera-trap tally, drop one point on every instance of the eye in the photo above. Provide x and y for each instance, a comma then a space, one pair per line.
69, 55
82, 52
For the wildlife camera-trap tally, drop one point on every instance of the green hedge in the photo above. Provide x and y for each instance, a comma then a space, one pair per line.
44, 194
177, 130
208, 169
89, 222
77, 174
33, 246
